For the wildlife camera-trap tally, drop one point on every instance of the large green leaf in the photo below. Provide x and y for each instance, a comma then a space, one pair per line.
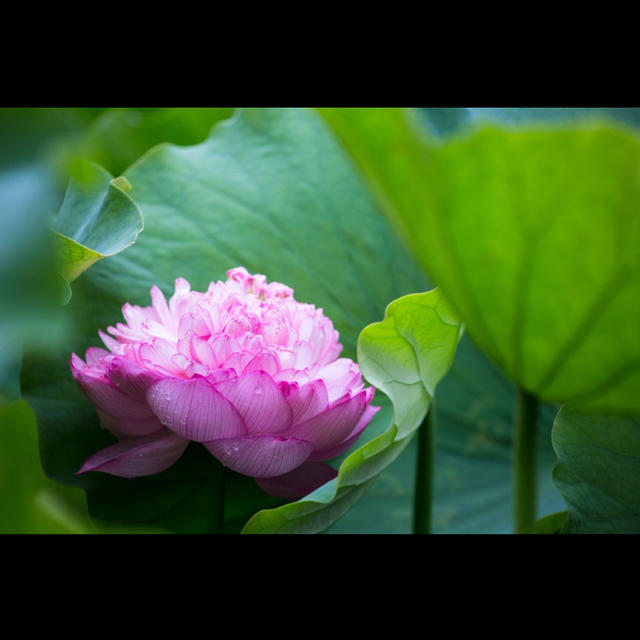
270, 190
598, 471
405, 356
532, 233
97, 219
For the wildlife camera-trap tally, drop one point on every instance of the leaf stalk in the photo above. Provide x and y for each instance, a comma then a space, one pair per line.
525, 450
423, 493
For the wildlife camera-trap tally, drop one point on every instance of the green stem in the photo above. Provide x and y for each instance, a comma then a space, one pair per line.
217, 500
524, 468
423, 494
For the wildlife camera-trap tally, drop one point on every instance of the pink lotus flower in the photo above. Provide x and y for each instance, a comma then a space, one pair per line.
242, 368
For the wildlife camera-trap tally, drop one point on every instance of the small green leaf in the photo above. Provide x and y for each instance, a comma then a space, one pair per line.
552, 523
598, 471
97, 219
405, 356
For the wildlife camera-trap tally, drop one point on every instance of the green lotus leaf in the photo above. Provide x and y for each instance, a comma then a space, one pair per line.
532, 234
598, 471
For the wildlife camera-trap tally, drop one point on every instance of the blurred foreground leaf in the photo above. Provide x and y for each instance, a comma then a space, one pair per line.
532, 233
30, 189
27, 496
29, 286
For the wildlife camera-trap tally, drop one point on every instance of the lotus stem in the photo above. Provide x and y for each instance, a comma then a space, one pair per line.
217, 503
525, 457
423, 494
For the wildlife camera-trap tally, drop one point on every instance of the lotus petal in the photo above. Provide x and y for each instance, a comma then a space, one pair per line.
331, 427
194, 409
139, 456
260, 456
339, 449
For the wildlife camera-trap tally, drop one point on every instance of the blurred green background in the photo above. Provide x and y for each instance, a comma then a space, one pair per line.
40, 149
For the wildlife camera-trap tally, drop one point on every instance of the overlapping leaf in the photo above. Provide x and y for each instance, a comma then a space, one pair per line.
28, 284
532, 233
97, 219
